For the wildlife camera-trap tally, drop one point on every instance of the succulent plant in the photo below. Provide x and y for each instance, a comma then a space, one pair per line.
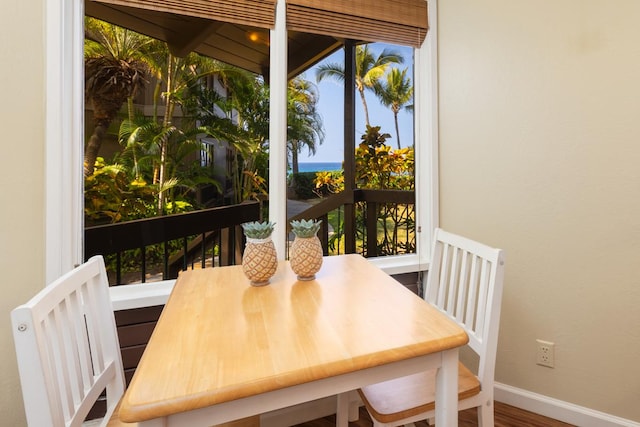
258, 229
305, 227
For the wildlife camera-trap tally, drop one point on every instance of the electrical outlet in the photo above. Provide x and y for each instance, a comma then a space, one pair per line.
544, 354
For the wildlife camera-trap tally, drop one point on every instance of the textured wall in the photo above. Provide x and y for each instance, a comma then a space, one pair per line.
540, 155
21, 181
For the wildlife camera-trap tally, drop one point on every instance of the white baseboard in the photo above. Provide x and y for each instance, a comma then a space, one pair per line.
558, 409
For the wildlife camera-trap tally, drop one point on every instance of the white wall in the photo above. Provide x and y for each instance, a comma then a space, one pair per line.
540, 155
21, 181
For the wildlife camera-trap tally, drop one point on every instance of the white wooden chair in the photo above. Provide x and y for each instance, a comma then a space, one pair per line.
68, 351
465, 282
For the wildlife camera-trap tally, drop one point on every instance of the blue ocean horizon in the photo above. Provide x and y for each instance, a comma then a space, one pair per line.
319, 166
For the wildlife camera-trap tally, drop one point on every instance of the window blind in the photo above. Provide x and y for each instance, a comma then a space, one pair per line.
403, 22
255, 13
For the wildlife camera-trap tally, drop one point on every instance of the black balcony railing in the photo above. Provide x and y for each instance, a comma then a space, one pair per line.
369, 222
162, 246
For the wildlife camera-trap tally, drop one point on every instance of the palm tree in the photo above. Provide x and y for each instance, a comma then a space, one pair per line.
115, 69
177, 76
369, 70
249, 104
396, 92
304, 127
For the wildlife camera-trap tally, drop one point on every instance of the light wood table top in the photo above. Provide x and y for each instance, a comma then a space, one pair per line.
220, 339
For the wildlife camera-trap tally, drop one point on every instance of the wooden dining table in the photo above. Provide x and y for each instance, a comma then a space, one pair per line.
224, 350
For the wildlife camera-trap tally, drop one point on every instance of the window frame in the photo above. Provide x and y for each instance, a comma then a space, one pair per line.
426, 156
425, 137
64, 135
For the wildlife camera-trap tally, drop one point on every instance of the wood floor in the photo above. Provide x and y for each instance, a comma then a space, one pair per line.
505, 416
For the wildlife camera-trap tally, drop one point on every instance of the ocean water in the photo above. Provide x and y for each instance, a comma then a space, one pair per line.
319, 166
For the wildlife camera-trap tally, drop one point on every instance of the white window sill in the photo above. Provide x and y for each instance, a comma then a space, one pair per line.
140, 295
150, 294
398, 264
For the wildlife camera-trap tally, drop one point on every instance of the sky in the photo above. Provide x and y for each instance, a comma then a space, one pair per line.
330, 107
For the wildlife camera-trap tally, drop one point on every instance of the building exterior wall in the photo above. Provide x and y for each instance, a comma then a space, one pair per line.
539, 154
22, 181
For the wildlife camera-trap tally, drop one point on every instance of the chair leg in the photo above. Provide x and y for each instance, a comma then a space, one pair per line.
354, 406
485, 414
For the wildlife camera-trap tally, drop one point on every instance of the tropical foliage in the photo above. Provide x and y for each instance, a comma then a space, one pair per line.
194, 97
395, 91
304, 124
379, 167
111, 196
369, 69
115, 70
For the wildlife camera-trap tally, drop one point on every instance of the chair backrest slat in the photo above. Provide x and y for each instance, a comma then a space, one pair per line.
93, 325
67, 348
62, 353
463, 288
71, 342
471, 294
453, 282
465, 281
81, 341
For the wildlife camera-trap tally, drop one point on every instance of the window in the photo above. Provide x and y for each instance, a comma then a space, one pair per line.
64, 62
425, 98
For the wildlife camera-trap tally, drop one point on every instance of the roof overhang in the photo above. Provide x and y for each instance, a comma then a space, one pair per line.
238, 45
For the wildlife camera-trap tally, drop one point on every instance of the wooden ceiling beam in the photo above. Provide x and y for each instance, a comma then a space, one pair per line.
187, 39
299, 62
123, 18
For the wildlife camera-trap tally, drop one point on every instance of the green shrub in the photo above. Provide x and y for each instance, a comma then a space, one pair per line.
378, 167
303, 185
110, 196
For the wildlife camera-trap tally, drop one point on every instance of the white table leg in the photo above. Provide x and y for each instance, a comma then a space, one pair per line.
342, 412
447, 390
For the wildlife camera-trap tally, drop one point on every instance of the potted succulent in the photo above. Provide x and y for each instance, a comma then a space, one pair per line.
259, 260
305, 255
